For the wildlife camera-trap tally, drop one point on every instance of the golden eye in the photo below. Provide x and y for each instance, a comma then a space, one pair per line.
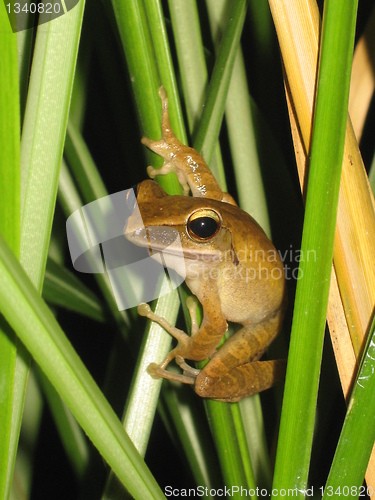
203, 225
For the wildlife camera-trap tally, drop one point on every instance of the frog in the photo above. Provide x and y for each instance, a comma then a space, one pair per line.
230, 266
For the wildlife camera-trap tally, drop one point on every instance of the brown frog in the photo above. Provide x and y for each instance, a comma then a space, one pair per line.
231, 267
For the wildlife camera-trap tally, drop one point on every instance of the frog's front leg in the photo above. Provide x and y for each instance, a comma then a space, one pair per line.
159, 371
199, 346
182, 338
234, 371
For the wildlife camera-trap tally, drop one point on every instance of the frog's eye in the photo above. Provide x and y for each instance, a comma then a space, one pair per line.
203, 225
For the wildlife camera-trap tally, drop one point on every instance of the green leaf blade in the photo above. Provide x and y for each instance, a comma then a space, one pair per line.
10, 230
298, 415
39, 331
352, 454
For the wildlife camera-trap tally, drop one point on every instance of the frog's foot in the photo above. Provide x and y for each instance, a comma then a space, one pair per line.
156, 372
152, 172
182, 338
167, 168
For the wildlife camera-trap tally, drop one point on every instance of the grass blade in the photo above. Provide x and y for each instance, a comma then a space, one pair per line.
223, 427
41, 334
352, 454
190, 52
155, 17
55, 54
62, 288
193, 435
193, 70
74, 441
211, 119
137, 45
87, 175
140, 57
10, 230
41, 148
241, 130
10, 136
298, 415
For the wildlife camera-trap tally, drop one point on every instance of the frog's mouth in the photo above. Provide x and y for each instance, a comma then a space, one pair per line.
155, 238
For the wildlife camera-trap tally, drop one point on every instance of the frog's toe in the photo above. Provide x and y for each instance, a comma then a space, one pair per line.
151, 172
155, 371
144, 309
188, 370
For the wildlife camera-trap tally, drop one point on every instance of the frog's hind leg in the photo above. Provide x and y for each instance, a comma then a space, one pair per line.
169, 142
235, 371
168, 147
241, 381
166, 129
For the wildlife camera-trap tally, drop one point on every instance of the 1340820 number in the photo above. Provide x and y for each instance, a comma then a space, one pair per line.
347, 491
34, 8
